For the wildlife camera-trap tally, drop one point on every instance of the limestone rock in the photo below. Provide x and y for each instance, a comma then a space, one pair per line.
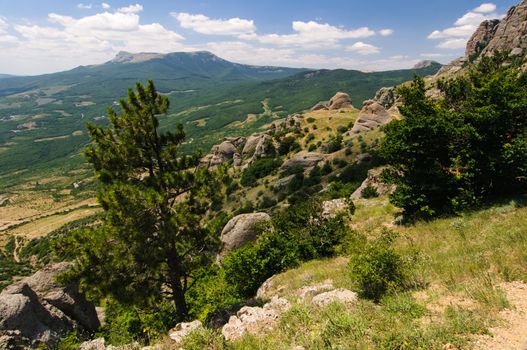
282, 183
374, 180
259, 146
181, 330
425, 64
386, 97
307, 292
240, 230
372, 116
511, 32
341, 295
481, 38
340, 101
303, 160
43, 310
224, 152
255, 320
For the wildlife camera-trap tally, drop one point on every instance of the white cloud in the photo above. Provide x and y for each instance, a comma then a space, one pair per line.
3, 25
311, 34
453, 44
386, 32
485, 8
84, 6
67, 41
131, 9
363, 48
455, 37
205, 25
105, 5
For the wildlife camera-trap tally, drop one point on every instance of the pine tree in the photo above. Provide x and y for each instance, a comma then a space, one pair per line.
151, 241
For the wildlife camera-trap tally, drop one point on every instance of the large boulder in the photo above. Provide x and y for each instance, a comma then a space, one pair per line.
339, 295
178, 333
386, 97
372, 116
43, 310
303, 160
255, 320
240, 230
224, 152
340, 101
259, 146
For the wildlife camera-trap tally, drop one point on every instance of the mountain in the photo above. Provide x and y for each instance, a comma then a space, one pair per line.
3, 76
180, 70
43, 118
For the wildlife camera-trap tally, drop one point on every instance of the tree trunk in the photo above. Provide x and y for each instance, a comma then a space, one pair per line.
178, 294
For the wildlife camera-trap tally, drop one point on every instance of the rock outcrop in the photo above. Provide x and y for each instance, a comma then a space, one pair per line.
255, 320
372, 116
374, 180
303, 160
259, 146
42, 310
481, 38
511, 32
341, 101
386, 97
240, 230
224, 152
333, 207
425, 64
340, 295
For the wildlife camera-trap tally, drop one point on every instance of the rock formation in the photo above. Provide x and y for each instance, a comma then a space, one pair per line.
255, 320
224, 152
42, 310
386, 97
341, 101
374, 180
259, 146
341, 295
481, 38
372, 116
303, 160
178, 333
424, 64
240, 230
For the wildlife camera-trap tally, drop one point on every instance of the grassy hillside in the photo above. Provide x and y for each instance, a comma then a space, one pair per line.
42, 121
463, 273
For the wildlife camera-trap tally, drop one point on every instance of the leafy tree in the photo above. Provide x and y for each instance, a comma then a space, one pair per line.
151, 242
468, 147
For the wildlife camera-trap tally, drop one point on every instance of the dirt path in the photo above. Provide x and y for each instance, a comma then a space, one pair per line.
511, 334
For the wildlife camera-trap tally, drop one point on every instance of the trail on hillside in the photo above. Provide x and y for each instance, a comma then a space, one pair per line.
511, 334
15, 250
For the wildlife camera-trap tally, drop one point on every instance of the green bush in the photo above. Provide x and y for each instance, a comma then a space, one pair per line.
310, 120
369, 192
299, 234
377, 268
288, 144
335, 143
259, 169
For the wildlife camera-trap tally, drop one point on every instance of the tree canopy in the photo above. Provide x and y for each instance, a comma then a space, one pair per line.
467, 147
152, 240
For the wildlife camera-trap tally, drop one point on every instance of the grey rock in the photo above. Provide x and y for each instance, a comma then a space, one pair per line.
340, 101
95, 344
43, 310
303, 160
340, 295
481, 38
374, 180
372, 116
240, 230
178, 333
386, 97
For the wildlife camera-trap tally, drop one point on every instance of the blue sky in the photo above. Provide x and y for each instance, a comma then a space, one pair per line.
46, 36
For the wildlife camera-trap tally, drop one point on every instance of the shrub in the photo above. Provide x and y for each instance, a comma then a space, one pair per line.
377, 268
259, 169
312, 148
342, 129
369, 192
288, 144
310, 120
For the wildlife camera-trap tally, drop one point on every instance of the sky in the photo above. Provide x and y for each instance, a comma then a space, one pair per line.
38, 37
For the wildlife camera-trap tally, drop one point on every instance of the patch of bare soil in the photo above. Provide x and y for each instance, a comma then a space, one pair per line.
511, 332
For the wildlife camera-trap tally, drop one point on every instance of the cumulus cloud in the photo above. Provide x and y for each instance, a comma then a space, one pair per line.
456, 36
485, 8
205, 25
105, 5
386, 32
84, 6
312, 33
363, 48
131, 9
68, 41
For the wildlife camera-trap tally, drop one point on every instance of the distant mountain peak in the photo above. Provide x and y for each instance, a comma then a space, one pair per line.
425, 64
128, 57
